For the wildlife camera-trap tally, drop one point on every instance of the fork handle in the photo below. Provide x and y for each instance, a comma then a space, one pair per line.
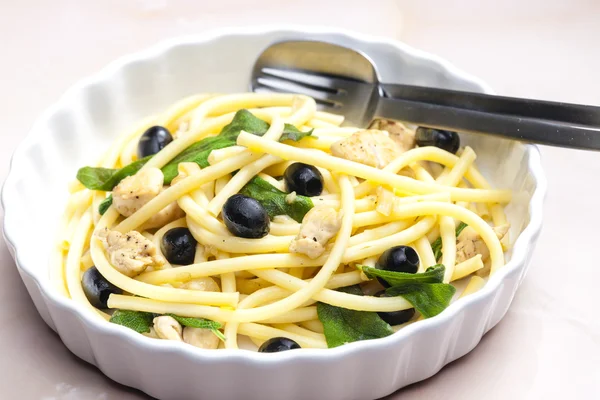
528, 108
555, 124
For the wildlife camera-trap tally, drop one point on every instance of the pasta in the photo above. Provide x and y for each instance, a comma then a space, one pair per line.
257, 215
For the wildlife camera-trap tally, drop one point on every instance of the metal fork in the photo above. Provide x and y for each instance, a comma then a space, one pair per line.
344, 81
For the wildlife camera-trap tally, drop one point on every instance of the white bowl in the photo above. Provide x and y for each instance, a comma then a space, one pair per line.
91, 115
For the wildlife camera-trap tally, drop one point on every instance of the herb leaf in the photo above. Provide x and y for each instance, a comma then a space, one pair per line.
273, 199
106, 179
433, 274
341, 325
429, 299
243, 120
105, 204
436, 246
290, 132
425, 291
139, 321
196, 322
198, 153
200, 323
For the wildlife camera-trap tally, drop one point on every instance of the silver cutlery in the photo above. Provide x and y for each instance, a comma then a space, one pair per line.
344, 81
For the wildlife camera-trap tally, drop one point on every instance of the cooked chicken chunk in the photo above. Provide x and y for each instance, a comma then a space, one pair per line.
129, 253
469, 243
370, 147
167, 327
318, 226
199, 337
398, 132
206, 284
135, 191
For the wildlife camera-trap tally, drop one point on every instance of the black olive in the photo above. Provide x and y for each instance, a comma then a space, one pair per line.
97, 288
445, 140
395, 317
153, 140
179, 246
303, 179
277, 344
398, 259
246, 217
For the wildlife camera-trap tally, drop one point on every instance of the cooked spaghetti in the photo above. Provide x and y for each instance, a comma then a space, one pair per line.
256, 215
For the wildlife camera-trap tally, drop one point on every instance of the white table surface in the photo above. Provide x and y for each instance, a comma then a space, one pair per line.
547, 346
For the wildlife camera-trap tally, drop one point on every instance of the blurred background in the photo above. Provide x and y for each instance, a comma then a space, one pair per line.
548, 345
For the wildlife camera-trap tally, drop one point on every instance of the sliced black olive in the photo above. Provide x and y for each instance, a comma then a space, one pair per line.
277, 344
97, 288
395, 317
245, 217
153, 140
179, 246
445, 140
303, 179
398, 259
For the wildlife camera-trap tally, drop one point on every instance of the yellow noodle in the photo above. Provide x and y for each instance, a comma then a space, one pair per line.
266, 290
366, 172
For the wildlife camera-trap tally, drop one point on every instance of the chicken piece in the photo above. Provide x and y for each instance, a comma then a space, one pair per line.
199, 337
469, 243
318, 226
133, 192
168, 328
136, 190
370, 147
398, 132
206, 284
129, 253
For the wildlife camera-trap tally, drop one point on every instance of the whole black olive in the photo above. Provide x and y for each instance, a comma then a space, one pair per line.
245, 217
277, 344
398, 259
179, 246
303, 179
445, 140
97, 288
153, 140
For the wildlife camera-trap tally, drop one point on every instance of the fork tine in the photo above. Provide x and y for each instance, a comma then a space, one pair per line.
281, 85
322, 105
306, 78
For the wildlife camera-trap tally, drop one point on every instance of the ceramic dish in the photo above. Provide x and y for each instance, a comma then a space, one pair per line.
90, 116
